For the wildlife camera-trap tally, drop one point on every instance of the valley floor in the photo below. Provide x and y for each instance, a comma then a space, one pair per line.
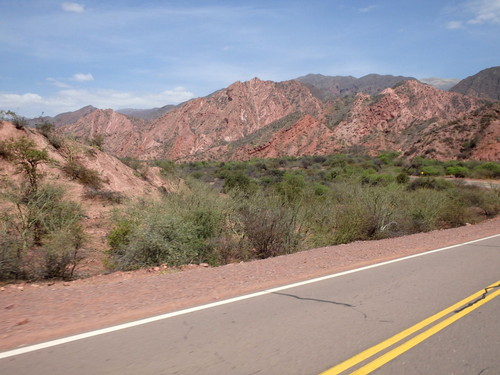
33, 313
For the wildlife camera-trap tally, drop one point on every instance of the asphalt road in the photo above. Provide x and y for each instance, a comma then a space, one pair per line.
311, 328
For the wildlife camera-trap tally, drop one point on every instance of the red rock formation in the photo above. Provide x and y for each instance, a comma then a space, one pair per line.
121, 135
225, 116
267, 119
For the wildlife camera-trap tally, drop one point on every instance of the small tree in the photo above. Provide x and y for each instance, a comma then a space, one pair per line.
27, 157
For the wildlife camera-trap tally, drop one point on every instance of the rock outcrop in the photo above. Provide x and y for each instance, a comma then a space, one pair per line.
268, 119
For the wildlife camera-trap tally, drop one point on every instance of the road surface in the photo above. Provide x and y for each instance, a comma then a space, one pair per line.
312, 327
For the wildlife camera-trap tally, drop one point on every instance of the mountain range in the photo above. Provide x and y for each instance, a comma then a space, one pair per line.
310, 115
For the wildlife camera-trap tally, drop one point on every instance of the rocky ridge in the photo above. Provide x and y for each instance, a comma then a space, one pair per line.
485, 84
268, 119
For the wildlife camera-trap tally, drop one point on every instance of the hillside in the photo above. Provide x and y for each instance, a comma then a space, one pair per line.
121, 134
407, 118
485, 84
90, 178
268, 119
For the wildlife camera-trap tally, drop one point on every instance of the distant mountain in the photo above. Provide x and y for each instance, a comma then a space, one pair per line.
485, 84
440, 83
330, 87
146, 114
63, 118
265, 119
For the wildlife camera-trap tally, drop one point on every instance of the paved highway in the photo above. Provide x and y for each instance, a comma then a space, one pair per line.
314, 328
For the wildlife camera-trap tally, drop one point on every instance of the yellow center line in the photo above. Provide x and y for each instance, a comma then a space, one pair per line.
353, 361
389, 356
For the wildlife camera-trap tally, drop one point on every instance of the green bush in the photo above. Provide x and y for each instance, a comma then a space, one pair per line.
431, 170
429, 183
238, 180
457, 171
46, 128
487, 170
97, 141
41, 234
402, 178
84, 175
181, 228
108, 196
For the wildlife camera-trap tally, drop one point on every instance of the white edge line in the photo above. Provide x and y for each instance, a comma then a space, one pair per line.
136, 323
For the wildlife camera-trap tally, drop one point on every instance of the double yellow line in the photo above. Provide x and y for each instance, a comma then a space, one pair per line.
472, 302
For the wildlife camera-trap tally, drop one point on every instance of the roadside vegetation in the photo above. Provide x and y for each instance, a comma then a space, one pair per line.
40, 232
238, 211
227, 211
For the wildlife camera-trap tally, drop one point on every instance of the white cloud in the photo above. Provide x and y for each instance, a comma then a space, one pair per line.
81, 77
58, 83
73, 7
14, 100
453, 25
485, 11
31, 105
368, 8
477, 12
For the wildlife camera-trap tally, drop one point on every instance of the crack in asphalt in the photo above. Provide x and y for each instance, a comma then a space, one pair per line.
323, 301
483, 296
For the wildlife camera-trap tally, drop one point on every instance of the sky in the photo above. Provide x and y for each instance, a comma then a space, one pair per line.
59, 56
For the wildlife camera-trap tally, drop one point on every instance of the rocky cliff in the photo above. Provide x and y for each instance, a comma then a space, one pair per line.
268, 119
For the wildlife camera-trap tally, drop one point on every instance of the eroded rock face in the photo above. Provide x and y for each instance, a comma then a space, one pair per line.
268, 119
398, 116
225, 116
121, 134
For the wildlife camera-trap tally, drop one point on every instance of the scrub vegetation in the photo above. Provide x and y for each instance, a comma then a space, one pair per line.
238, 211
40, 231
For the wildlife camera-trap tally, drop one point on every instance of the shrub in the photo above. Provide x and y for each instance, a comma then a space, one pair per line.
62, 252
179, 229
18, 121
112, 197
238, 180
429, 183
402, 178
292, 186
10, 251
431, 170
42, 236
487, 170
159, 239
271, 227
27, 157
84, 175
167, 167
457, 171
46, 128
97, 141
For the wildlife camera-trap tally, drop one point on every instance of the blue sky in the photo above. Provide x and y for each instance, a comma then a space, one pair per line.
59, 56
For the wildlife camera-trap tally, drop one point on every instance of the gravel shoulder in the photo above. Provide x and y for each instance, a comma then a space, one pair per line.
33, 313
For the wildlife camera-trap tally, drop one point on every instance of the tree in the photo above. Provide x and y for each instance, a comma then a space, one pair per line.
27, 157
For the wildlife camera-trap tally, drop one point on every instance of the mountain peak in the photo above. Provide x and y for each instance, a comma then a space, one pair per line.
485, 84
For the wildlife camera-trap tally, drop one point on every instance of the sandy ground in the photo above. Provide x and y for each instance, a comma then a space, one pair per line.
32, 313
